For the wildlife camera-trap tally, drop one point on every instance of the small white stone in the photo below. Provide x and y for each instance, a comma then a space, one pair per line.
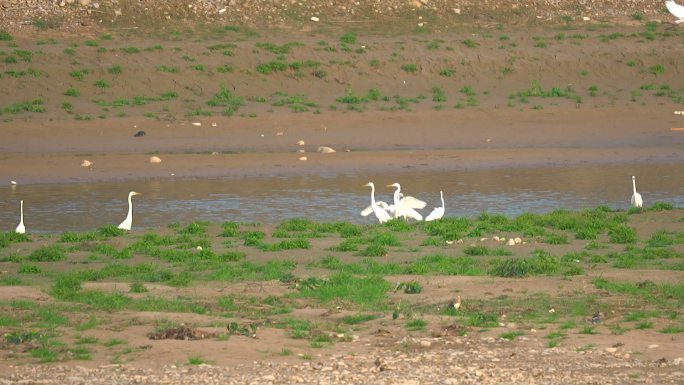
13, 182
325, 150
222, 10
585, 18
155, 159
314, 19
86, 163
518, 240
300, 142
496, 238
303, 158
653, 346
199, 248
511, 242
196, 124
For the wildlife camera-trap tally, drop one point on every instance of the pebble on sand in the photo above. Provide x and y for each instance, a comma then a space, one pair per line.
301, 142
303, 158
325, 150
86, 163
155, 159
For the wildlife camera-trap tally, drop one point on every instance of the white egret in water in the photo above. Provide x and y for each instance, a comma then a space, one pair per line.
438, 212
636, 197
21, 229
405, 206
126, 224
675, 9
380, 213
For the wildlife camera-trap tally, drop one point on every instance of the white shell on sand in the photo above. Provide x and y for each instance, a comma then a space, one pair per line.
303, 158
325, 150
155, 159
86, 163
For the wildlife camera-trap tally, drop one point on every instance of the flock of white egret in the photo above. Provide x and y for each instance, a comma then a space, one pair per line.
402, 207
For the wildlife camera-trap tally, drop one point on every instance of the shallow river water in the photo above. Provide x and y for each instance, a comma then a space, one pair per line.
78, 207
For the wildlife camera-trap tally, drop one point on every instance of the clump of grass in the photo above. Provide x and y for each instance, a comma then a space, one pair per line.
622, 233
49, 253
416, 324
101, 83
470, 43
115, 69
225, 98
357, 319
73, 92
79, 74
410, 68
349, 38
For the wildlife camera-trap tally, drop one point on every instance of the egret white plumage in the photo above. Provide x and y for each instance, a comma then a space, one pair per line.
126, 224
438, 212
406, 206
636, 197
21, 229
379, 212
675, 9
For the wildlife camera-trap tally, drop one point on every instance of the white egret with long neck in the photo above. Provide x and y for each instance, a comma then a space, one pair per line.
636, 197
126, 224
21, 229
379, 212
406, 206
438, 212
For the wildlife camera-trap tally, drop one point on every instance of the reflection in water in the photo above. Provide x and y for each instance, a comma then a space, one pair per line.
61, 207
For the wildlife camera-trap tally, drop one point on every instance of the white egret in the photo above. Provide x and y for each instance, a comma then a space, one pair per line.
438, 212
380, 213
21, 229
675, 9
636, 197
126, 224
405, 206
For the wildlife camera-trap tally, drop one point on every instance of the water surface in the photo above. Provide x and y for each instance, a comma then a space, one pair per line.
77, 207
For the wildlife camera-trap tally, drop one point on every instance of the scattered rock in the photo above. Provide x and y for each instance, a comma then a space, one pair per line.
300, 142
155, 159
314, 19
653, 346
198, 124
511, 242
86, 163
325, 150
303, 158
139, 134
517, 240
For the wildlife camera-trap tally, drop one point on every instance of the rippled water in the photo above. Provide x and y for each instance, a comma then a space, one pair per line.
61, 207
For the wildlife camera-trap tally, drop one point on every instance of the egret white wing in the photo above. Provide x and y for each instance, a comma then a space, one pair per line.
368, 210
675, 9
413, 203
437, 213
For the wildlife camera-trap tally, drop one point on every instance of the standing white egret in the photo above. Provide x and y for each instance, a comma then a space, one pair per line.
21, 229
675, 9
380, 213
405, 206
126, 224
636, 197
438, 212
